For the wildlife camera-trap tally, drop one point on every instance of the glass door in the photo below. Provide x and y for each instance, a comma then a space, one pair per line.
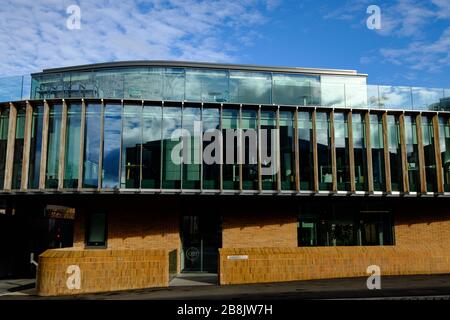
201, 239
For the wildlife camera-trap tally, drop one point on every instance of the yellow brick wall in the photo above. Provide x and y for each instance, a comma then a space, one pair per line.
259, 229
102, 270
289, 264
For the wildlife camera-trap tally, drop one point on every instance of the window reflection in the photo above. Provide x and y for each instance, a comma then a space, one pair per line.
230, 120
342, 151
131, 146
211, 171
91, 146
111, 146
207, 85
250, 87
151, 149
324, 151
53, 144
268, 124
35, 147
191, 148
72, 148
412, 153
171, 174
444, 141
250, 147
377, 146
305, 146
429, 153
293, 89
18, 148
287, 150
174, 84
359, 147
395, 154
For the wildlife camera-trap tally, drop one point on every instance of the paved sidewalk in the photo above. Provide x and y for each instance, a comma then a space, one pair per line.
392, 287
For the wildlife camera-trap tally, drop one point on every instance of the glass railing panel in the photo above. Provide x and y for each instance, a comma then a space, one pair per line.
356, 96
395, 97
333, 94
445, 103
11, 88
373, 97
427, 98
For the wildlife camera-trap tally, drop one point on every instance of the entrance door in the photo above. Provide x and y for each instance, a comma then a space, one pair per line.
201, 238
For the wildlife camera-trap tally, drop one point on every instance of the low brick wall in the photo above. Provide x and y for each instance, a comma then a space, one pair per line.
101, 270
289, 264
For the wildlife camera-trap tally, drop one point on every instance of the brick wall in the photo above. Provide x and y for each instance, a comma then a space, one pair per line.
101, 270
259, 229
289, 264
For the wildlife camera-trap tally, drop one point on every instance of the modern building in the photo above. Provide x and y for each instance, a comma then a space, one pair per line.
362, 176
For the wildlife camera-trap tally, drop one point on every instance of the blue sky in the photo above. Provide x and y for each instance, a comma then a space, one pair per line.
411, 48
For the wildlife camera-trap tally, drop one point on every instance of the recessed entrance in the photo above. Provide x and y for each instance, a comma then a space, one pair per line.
201, 238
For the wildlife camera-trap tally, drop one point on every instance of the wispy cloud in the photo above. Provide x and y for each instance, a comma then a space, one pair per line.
33, 34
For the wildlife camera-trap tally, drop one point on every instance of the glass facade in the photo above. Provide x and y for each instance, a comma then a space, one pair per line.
429, 153
377, 146
324, 151
4, 124
444, 142
287, 150
342, 151
92, 137
72, 156
18, 148
306, 147
359, 149
35, 147
412, 153
338, 225
395, 152
131, 146
112, 135
53, 145
141, 145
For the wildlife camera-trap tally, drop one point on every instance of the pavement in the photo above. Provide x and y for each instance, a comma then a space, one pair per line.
204, 287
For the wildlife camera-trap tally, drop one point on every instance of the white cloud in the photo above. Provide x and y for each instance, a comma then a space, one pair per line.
33, 34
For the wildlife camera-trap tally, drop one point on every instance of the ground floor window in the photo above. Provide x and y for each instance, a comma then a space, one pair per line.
333, 226
96, 230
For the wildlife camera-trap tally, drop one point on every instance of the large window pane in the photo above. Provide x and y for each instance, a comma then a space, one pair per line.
96, 230
269, 174
207, 85
211, 171
295, 89
250, 87
230, 121
395, 154
324, 151
191, 148
250, 149
287, 146
174, 82
444, 142
305, 146
429, 153
111, 146
151, 149
109, 83
92, 146
359, 147
72, 156
18, 148
35, 147
342, 151
171, 178
376, 143
395, 97
53, 144
131, 146
412, 153
143, 83
427, 98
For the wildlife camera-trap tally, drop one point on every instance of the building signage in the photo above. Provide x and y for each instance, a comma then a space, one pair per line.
59, 212
242, 257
